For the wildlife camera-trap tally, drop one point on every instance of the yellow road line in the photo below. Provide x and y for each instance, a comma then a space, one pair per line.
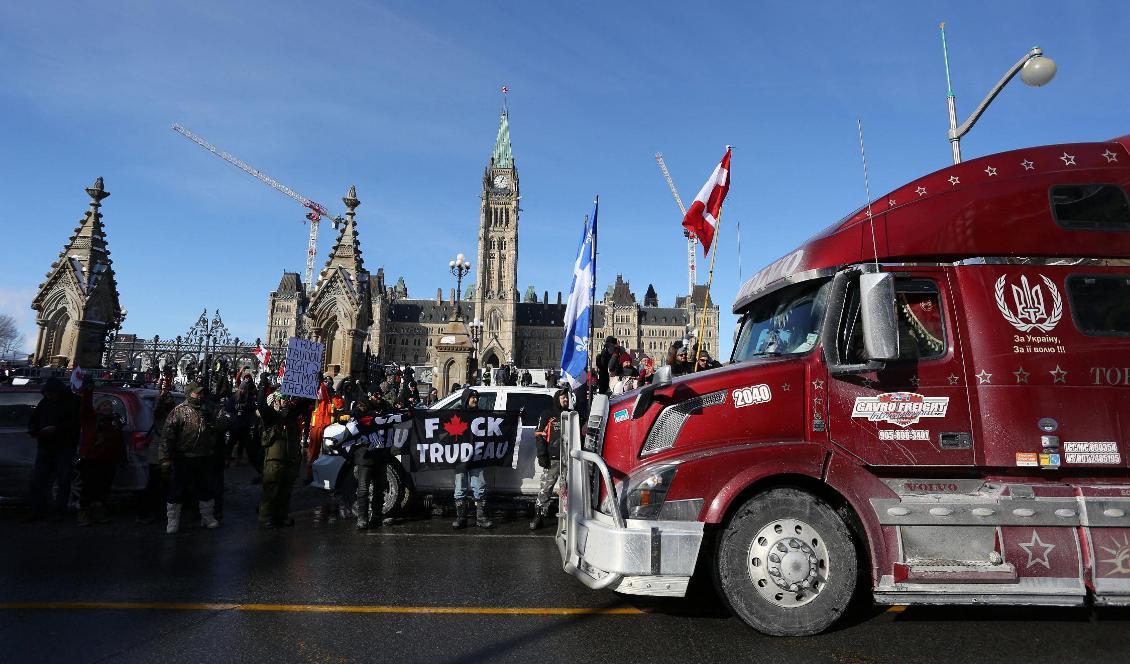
898, 608
323, 608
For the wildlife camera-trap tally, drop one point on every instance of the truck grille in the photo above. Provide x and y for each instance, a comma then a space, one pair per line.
670, 421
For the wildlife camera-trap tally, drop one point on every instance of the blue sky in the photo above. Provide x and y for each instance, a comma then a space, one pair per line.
402, 100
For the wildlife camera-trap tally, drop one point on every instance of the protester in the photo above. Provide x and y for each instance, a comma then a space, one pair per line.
475, 477
623, 376
603, 366
455, 388
242, 410
706, 362
152, 498
677, 359
320, 418
547, 437
370, 465
102, 445
647, 371
282, 441
192, 433
55, 425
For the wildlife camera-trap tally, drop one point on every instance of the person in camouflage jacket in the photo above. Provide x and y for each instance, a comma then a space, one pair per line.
192, 433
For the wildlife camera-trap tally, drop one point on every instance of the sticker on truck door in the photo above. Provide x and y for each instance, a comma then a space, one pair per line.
1105, 453
900, 408
752, 395
1026, 306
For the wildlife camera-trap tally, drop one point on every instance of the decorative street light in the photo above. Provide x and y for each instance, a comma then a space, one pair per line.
1035, 69
459, 268
475, 327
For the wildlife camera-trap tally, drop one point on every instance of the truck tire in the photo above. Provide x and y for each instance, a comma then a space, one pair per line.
786, 563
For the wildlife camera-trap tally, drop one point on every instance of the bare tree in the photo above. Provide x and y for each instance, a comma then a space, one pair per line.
11, 338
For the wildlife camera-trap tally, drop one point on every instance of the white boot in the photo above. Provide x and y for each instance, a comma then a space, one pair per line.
172, 511
207, 518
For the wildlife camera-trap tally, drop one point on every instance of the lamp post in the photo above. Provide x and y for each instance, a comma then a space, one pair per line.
1035, 69
476, 329
459, 268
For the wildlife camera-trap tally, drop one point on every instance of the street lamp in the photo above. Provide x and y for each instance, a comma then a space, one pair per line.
1035, 69
459, 268
475, 327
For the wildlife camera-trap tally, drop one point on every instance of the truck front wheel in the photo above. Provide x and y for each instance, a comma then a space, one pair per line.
786, 563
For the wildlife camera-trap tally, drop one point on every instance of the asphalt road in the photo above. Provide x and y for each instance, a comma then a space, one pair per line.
419, 592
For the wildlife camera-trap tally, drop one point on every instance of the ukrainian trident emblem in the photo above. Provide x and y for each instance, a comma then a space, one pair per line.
1029, 308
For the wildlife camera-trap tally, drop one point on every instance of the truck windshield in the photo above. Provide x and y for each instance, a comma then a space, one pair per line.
783, 323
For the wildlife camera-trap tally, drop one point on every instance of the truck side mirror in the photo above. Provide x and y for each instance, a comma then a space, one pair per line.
880, 318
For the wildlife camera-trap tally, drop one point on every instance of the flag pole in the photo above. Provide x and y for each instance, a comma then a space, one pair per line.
592, 302
706, 300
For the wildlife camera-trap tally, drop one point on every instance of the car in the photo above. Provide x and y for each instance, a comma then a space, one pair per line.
17, 448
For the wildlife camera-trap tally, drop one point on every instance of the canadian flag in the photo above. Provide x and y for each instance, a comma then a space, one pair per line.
702, 215
263, 354
282, 369
77, 378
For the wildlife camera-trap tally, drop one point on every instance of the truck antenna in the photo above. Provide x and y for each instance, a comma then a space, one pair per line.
867, 189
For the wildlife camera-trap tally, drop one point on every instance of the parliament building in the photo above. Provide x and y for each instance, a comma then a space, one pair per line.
357, 314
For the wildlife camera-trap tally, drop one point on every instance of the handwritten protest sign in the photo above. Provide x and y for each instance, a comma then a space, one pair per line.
303, 362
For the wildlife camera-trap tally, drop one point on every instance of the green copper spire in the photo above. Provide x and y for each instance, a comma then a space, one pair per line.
502, 157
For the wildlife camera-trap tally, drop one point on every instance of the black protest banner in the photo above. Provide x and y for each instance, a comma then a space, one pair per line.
389, 432
464, 439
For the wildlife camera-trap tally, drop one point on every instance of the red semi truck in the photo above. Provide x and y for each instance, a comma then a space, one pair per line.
928, 401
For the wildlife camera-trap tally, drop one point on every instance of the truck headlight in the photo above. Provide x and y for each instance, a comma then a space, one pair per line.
648, 491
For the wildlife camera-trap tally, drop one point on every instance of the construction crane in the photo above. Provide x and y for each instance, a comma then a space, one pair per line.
692, 275
316, 210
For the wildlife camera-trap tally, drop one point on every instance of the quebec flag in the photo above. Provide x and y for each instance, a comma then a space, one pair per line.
578, 313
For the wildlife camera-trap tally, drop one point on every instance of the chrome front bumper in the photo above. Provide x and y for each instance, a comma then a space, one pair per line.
608, 551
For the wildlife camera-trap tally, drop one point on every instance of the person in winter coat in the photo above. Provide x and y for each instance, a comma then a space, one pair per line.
677, 359
547, 437
282, 442
102, 444
706, 362
475, 478
320, 418
370, 462
152, 498
603, 367
192, 433
55, 425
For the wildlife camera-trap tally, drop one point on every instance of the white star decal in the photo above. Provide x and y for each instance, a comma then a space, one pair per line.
991, 171
914, 381
952, 379
1058, 375
868, 212
1110, 156
816, 401
868, 383
954, 180
921, 191
1021, 376
817, 384
1068, 159
785, 387
891, 202
983, 377
1041, 553
1028, 165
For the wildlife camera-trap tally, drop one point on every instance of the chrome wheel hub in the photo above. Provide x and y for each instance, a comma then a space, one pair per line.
788, 562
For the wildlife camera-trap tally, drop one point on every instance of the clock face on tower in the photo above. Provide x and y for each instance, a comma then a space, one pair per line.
502, 181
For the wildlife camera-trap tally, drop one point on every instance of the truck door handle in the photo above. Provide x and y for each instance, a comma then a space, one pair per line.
955, 440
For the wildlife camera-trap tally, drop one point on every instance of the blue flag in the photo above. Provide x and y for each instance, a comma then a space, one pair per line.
578, 313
